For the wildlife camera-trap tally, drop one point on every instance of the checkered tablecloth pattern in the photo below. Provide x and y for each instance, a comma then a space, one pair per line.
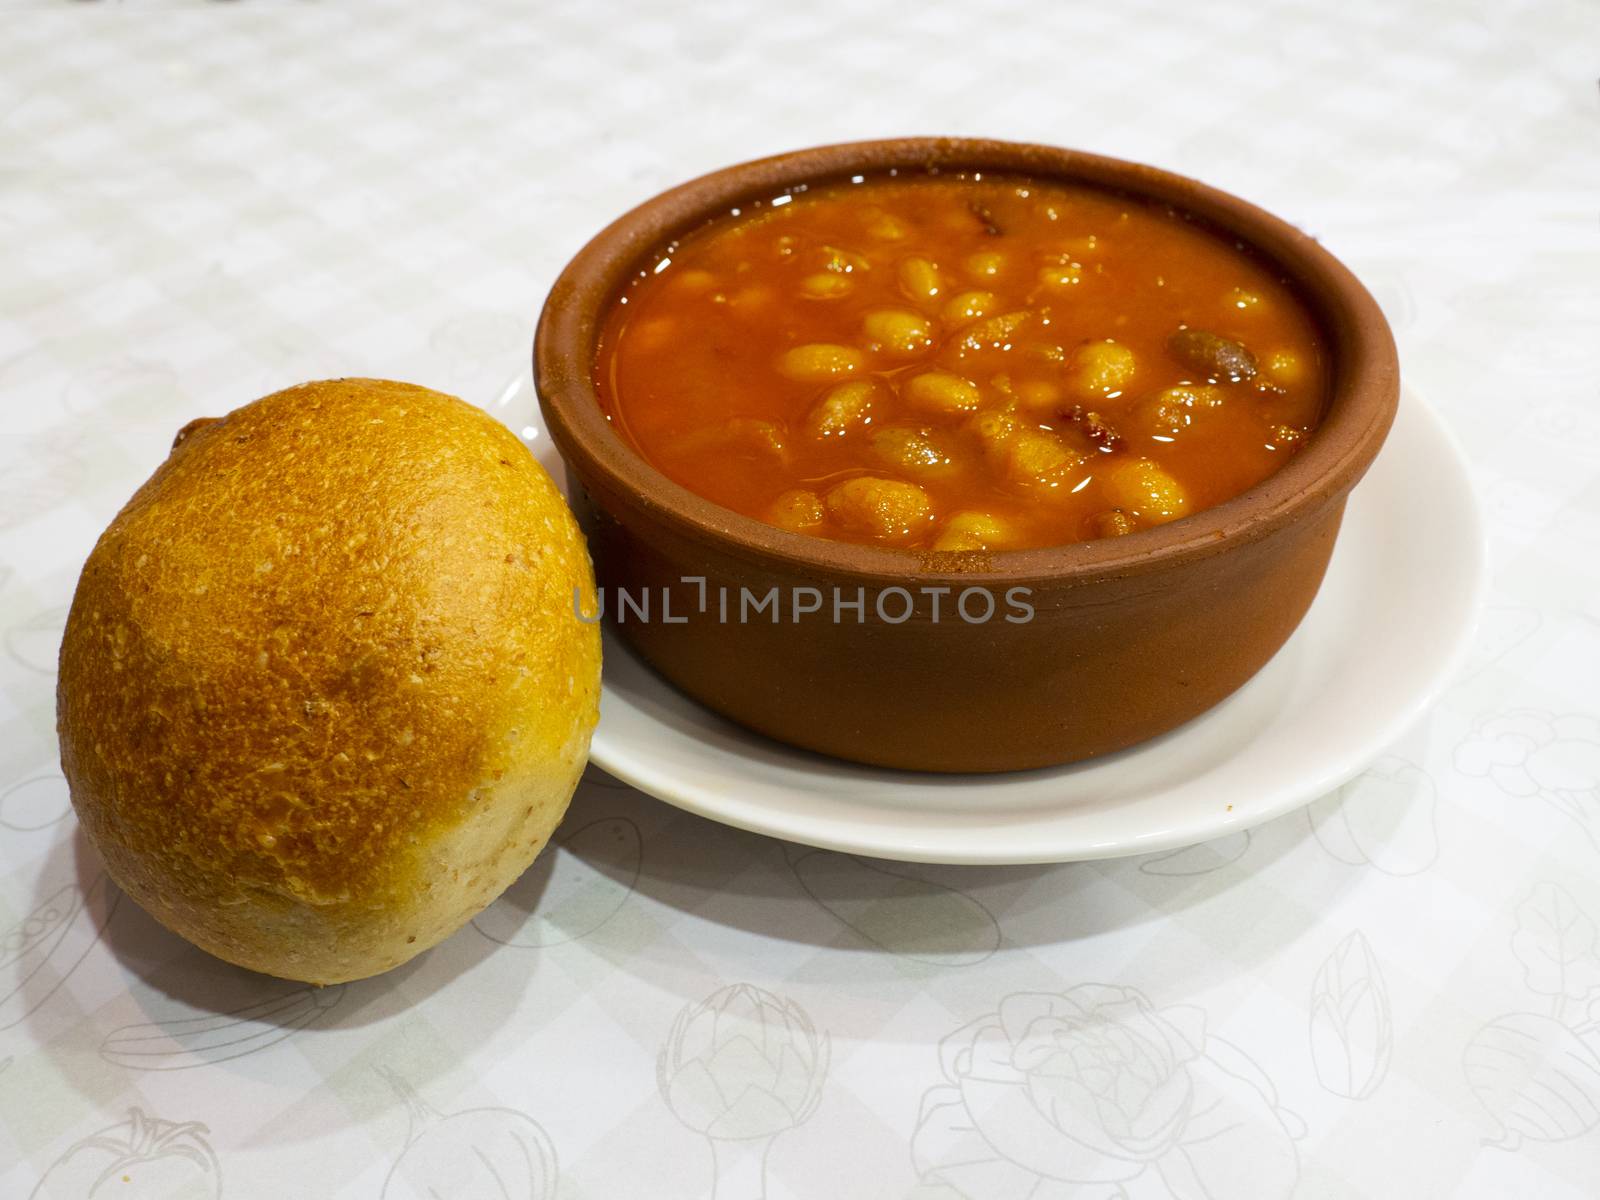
1395, 993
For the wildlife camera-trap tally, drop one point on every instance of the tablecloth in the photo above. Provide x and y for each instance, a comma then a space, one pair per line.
1392, 993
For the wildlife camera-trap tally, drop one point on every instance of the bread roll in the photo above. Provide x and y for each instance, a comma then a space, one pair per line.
323, 694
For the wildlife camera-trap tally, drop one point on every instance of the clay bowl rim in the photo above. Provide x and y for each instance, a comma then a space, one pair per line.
1359, 411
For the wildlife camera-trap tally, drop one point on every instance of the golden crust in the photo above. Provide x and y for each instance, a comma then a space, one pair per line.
322, 692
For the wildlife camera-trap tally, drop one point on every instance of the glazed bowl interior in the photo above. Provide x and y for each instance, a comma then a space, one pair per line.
1363, 387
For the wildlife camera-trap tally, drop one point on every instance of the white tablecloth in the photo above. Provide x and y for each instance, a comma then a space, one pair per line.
1395, 993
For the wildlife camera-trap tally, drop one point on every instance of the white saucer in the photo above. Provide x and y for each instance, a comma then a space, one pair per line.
1391, 624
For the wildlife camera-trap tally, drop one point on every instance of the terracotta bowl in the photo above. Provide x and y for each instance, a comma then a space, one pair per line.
1129, 636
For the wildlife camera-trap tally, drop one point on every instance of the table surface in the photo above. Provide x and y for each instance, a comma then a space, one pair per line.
1394, 993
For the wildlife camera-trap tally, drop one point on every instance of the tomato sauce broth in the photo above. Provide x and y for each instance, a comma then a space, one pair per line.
961, 362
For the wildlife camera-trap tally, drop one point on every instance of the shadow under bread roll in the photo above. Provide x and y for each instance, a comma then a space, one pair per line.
323, 694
